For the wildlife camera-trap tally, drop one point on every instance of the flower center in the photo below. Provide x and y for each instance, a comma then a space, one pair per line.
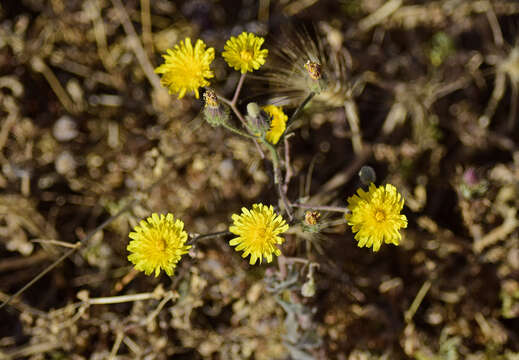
161, 244
246, 55
380, 215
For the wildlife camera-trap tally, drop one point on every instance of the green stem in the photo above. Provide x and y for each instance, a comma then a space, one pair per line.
300, 107
322, 208
238, 89
209, 235
277, 178
236, 131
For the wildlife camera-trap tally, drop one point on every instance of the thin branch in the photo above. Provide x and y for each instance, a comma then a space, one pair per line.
239, 132
288, 168
408, 316
121, 299
136, 45
147, 35
238, 88
210, 235
322, 208
242, 120
277, 178
300, 107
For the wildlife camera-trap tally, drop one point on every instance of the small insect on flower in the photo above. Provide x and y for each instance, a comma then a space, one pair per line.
186, 68
157, 243
277, 124
258, 232
375, 216
243, 53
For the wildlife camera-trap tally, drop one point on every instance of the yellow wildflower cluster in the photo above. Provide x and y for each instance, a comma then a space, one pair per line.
159, 242
187, 68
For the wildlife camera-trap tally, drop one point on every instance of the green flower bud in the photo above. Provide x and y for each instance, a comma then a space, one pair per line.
214, 113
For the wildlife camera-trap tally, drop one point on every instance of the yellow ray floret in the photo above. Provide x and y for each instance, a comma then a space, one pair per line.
186, 68
157, 243
375, 216
258, 232
243, 53
277, 124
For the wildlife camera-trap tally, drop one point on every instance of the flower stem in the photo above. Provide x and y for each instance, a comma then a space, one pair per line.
277, 178
300, 107
322, 208
239, 132
242, 120
209, 235
238, 89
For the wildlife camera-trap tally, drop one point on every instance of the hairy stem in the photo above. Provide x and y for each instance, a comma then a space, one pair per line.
322, 208
277, 178
300, 107
238, 89
209, 235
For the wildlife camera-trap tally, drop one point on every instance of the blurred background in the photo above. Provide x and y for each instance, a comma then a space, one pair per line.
425, 92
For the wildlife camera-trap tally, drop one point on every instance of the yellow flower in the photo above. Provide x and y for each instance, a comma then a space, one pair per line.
186, 68
258, 232
278, 123
375, 216
157, 244
243, 52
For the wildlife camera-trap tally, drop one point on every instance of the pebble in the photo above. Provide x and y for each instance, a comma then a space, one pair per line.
65, 129
65, 163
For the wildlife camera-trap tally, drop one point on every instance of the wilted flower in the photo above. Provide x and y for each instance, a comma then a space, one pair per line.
258, 232
157, 243
375, 216
243, 53
186, 68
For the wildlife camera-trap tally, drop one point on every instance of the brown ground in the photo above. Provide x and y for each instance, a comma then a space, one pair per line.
86, 131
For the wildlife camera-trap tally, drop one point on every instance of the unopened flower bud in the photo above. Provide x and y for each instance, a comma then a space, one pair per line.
253, 109
214, 113
308, 288
367, 175
257, 120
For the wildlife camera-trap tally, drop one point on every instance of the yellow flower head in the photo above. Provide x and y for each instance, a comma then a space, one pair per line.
277, 124
157, 244
186, 68
243, 52
375, 216
258, 232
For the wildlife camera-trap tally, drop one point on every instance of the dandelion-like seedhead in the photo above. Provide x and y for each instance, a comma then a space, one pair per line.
298, 67
258, 232
278, 121
157, 244
375, 216
186, 68
244, 53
